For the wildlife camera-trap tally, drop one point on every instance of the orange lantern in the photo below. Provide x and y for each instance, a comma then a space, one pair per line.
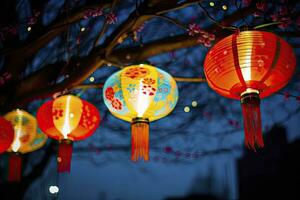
248, 66
67, 119
6, 134
26, 139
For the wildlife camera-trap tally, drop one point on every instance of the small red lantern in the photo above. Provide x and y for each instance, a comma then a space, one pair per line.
67, 119
248, 66
6, 134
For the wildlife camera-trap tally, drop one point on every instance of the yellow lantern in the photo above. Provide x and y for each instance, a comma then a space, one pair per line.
26, 139
140, 94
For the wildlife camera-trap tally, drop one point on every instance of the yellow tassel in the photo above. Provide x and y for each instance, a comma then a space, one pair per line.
140, 139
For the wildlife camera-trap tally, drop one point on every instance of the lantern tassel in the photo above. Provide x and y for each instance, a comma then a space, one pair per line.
15, 167
64, 156
140, 139
252, 120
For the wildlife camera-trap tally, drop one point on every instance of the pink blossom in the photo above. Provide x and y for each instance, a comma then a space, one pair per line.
286, 21
111, 18
93, 13
257, 14
203, 37
193, 29
261, 6
139, 28
32, 20
247, 2
207, 43
211, 37
200, 39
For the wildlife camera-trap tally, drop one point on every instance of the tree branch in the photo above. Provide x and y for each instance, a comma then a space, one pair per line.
27, 89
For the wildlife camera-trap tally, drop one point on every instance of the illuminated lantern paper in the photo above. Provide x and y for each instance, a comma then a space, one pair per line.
25, 140
6, 134
67, 119
140, 94
248, 66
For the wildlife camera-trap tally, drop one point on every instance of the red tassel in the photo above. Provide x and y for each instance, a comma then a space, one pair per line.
252, 120
15, 167
64, 156
140, 139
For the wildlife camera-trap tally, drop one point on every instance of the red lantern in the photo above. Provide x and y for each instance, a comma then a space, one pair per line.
67, 119
6, 134
248, 66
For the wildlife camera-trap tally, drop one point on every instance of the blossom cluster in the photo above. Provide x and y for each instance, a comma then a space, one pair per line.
203, 37
111, 18
93, 13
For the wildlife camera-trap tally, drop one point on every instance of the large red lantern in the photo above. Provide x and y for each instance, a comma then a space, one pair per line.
6, 134
67, 119
248, 66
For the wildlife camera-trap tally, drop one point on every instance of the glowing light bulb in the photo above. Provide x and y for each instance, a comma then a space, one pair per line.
29, 28
194, 103
186, 109
92, 79
211, 3
82, 29
224, 7
53, 189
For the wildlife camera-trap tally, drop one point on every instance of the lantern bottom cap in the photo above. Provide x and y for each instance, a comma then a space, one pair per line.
249, 91
140, 120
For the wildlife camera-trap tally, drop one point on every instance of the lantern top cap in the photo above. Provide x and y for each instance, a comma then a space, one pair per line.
66, 95
139, 65
18, 110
